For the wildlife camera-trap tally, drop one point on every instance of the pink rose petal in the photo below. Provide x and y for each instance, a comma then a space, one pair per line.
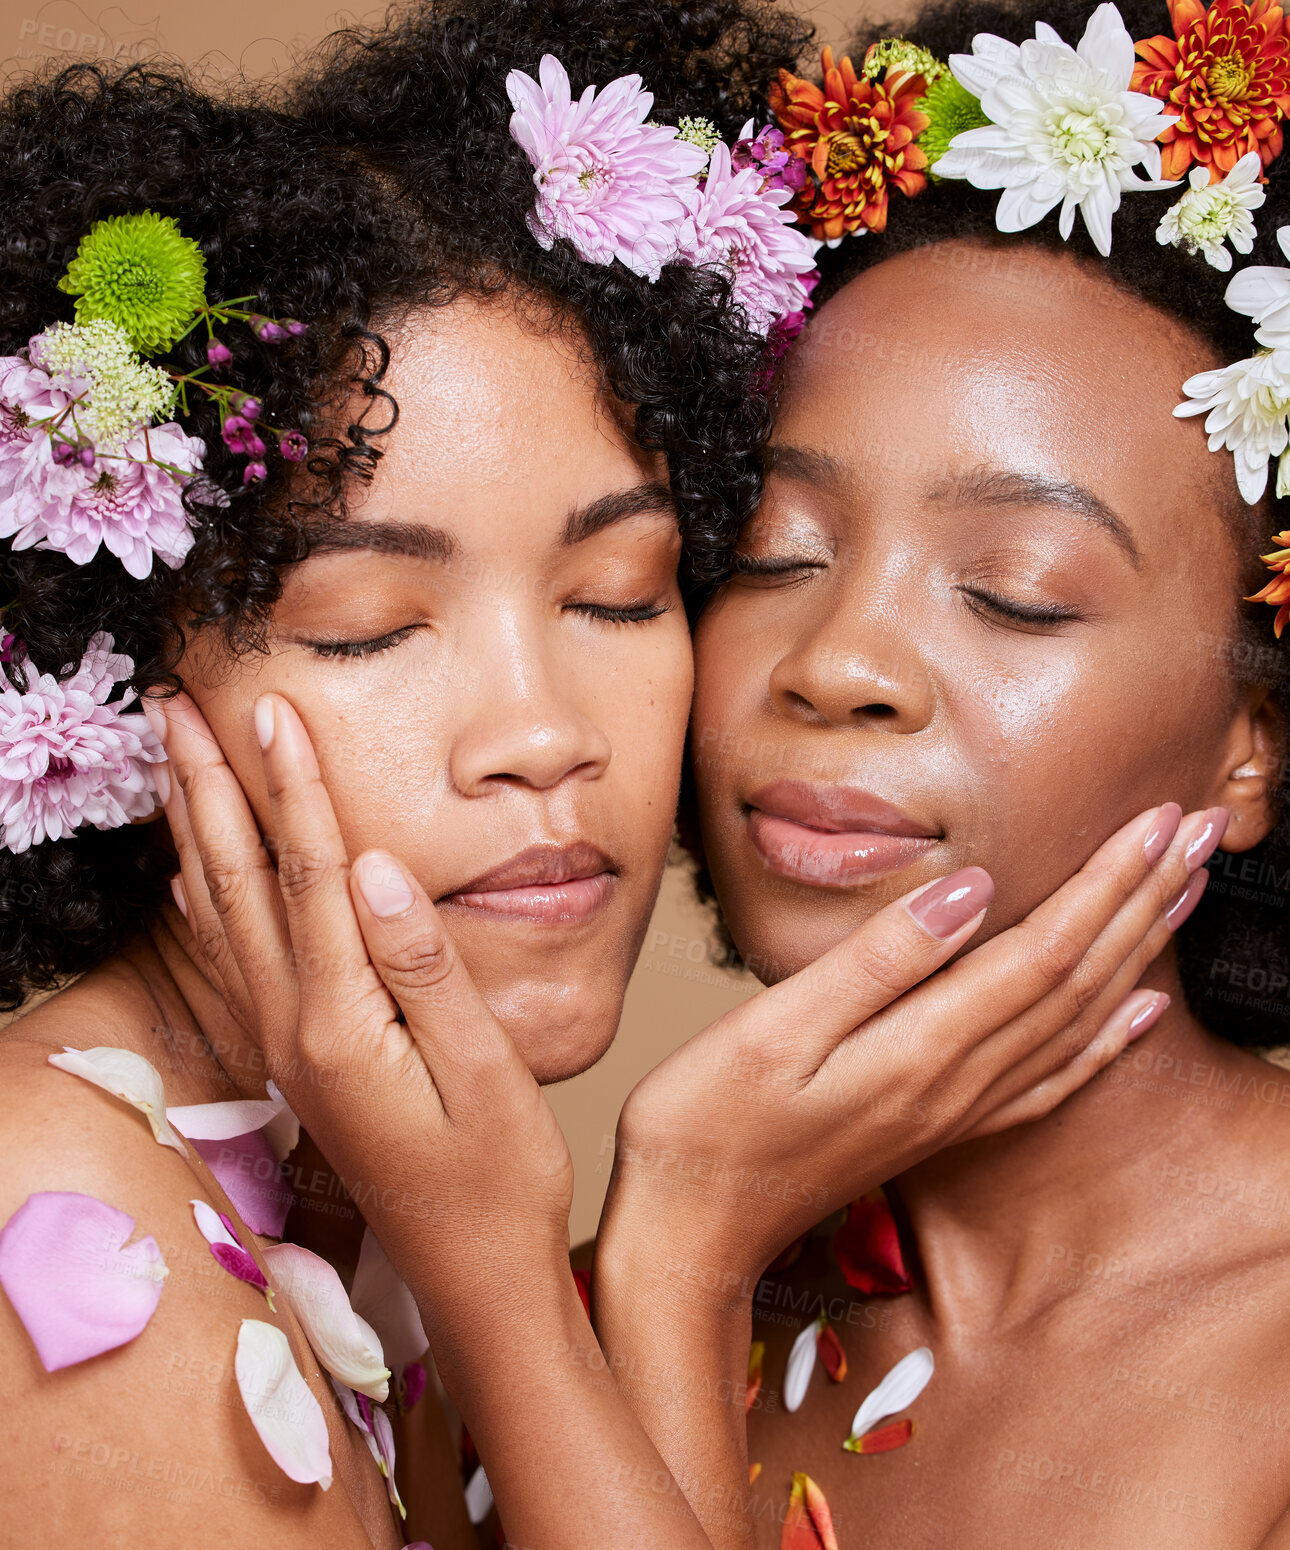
412, 1385
226, 1247
249, 1175
75, 1282
281, 1406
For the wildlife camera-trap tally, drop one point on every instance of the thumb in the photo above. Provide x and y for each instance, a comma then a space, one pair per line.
461, 1042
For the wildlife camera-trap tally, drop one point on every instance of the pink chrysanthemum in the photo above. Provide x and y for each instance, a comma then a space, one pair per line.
123, 502
736, 224
67, 758
612, 184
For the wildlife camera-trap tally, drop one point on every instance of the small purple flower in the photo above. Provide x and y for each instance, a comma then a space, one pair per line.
218, 353
247, 405
7, 644
766, 152
255, 447
235, 431
266, 330
295, 327
293, 446
63, 453
254, 473
85, 455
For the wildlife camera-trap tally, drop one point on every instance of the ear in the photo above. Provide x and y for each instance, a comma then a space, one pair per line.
1252, 767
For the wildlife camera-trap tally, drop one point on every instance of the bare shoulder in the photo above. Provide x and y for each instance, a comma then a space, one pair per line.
153, 1433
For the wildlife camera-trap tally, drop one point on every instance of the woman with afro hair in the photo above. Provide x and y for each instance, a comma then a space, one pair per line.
448, 486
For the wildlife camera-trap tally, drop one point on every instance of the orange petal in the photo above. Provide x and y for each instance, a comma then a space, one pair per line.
756, 1355
809, 1524
753, 1471
831, 1353
882, 1439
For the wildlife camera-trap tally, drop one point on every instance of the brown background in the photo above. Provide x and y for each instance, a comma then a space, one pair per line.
675, 989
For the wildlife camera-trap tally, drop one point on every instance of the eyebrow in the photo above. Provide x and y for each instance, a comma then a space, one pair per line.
416, 541
1005, 487
810, 466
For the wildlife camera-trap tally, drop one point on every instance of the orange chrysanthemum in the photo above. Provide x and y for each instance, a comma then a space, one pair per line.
1277, 591
1226, 73
858, 138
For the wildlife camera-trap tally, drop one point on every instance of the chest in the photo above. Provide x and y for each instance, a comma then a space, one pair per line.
1117, 1425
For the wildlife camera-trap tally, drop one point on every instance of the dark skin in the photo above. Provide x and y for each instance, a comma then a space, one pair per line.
1106, 1345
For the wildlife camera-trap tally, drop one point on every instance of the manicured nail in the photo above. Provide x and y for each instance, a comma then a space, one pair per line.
1205, 842
1148, 1016
264, 723
383, 885
1186, 901
1162, 832
161, 779
156, 716
180, 896
950, 902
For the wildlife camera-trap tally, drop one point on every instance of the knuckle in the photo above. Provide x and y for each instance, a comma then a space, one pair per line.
1055, 952
882, 964
302, 869
419, 964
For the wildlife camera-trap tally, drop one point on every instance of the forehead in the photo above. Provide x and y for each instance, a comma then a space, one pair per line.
1007, 353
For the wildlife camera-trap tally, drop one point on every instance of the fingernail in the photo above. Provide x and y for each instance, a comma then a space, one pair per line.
161, 779
264, 723
1186, 901
952, 901
156, 716
1205, 842
1162, 832
180, 897
383, 885
1148, 1016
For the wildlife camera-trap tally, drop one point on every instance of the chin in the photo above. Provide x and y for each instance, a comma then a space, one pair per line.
558, 1030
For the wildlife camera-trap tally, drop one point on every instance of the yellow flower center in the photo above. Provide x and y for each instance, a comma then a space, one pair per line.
1228, 77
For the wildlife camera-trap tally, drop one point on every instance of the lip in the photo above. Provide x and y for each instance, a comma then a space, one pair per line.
833, 836
548, 884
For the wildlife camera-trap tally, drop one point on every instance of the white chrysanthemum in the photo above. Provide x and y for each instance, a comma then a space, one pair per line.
1210, 214
1064, 126
1245, 407
123, 393
1262, 292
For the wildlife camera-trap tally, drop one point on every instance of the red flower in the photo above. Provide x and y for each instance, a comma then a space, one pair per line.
867, 1249
1226, 73
858, 138
1277, 591
808, 1524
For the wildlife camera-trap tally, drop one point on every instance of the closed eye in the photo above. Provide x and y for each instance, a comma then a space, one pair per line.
784, 567
991, 607
629, 613
352, 649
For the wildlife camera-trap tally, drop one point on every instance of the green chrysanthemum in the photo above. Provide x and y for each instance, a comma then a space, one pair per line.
952, 110
699, 131
901, 54
141, 273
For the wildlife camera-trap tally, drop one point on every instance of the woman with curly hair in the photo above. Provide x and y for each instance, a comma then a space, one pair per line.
386, 467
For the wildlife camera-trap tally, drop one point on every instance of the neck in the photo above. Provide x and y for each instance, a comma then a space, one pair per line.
992, 1222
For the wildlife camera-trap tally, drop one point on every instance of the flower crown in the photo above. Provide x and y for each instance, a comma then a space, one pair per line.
89, 460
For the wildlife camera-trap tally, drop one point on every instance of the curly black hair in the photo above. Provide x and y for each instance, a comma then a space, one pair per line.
385, 180
1235, 950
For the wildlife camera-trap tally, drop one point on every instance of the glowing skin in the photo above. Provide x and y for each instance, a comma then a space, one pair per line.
986, 602
512, 744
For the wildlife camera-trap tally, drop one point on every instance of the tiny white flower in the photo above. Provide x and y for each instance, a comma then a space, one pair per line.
1245, 407
1064, 126
1210, 214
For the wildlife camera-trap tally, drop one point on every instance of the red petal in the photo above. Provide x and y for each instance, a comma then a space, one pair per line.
582, 1280
808, 1524
867, 1248
831, 1353
883, 1440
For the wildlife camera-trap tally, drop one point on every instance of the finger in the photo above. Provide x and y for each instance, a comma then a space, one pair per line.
808, 1014
1136, 1015
228, 880
1109, 968
313, 872
463, 1045
1064, 1047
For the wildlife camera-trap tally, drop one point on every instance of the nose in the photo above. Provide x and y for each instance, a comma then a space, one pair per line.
527, 727
854, 663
